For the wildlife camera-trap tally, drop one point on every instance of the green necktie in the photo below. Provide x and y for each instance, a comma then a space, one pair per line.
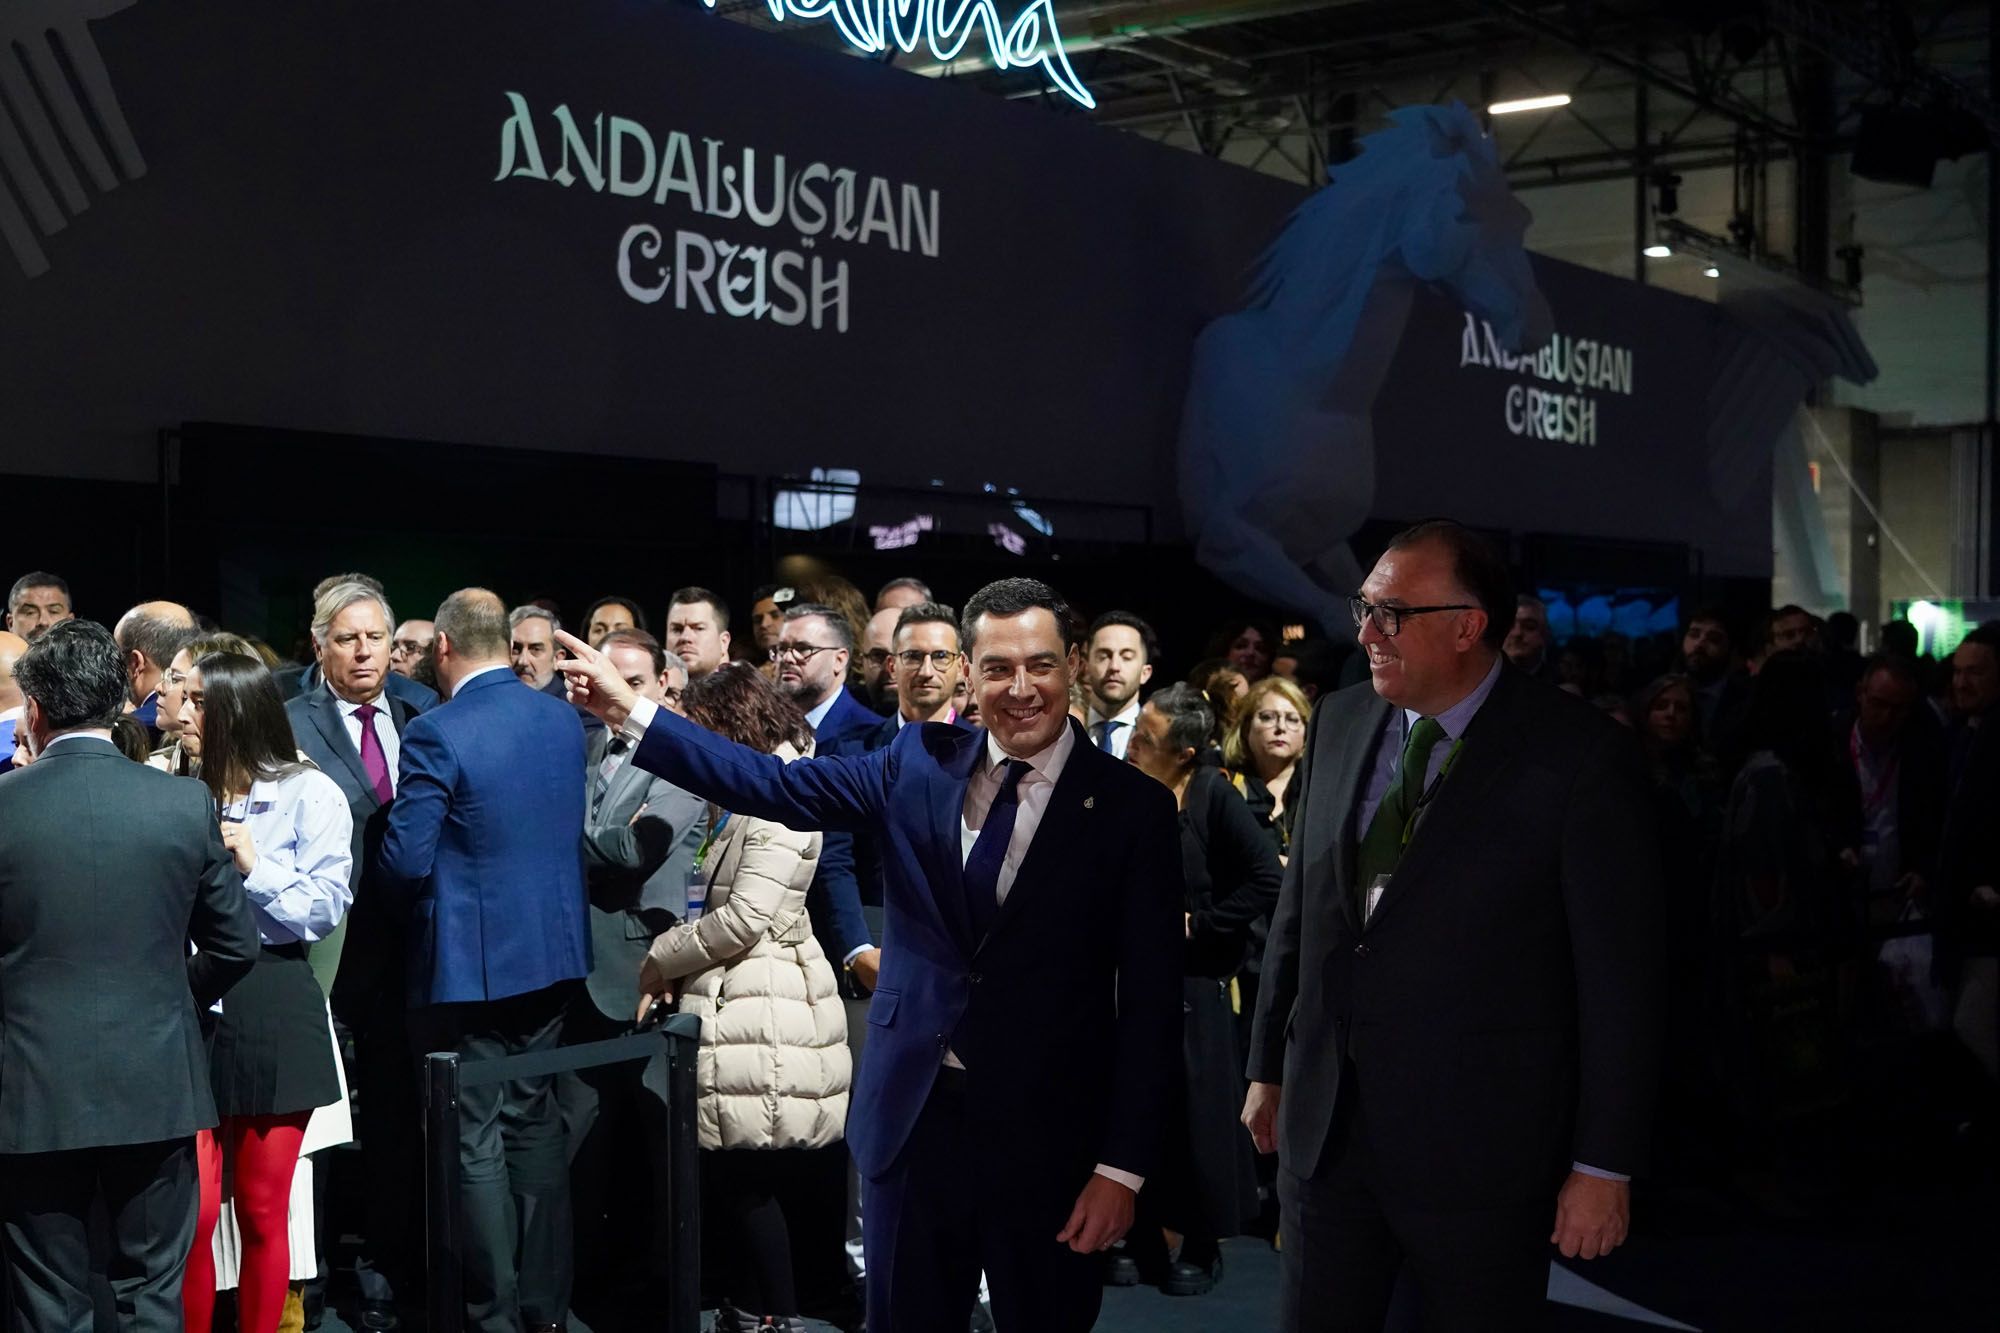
1382, 845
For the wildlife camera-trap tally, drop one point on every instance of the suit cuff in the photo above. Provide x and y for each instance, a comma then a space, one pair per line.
638, 720
1597, 1171
1125, 1178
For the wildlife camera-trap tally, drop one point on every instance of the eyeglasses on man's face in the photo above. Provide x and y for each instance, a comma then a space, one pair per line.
1388, 620
802, 652
914, 658
876, 657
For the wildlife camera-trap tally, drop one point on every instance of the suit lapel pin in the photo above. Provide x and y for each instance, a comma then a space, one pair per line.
1090, 802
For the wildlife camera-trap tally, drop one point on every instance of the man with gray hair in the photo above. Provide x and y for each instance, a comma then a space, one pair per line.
532, 647
293, 682
350, 722
149, 635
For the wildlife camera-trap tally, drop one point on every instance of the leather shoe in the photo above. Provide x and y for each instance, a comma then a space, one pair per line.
1184, 1279
378, 1317
1120, 1269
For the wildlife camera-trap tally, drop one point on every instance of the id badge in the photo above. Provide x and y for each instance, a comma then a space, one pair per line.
697, 895
1375, 889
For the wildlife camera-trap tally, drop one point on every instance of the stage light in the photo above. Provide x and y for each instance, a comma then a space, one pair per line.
1711, 272
1658, 251
1528, 104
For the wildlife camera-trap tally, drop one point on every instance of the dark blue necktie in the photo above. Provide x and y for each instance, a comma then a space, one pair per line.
989, 850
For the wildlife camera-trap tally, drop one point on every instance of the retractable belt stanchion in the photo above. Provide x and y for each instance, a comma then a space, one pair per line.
445, 1075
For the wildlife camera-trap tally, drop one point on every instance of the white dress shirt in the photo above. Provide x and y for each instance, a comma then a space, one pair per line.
385, 731
817, 713
299, 888
1036, 788
1121, 727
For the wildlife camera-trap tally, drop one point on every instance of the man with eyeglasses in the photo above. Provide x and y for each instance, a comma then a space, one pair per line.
1462, 994
878, 666
412, 640
812, 654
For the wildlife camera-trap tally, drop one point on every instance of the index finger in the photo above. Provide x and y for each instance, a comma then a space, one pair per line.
584, 652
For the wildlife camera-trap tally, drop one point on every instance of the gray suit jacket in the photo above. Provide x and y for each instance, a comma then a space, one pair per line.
638, 871
107, 870
364, 958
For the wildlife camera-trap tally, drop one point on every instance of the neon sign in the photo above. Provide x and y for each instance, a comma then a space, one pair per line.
945, 27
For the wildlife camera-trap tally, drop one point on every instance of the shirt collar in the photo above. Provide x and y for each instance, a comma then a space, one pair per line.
483, 671
1047, 762
380, 702
1458, 717
817, 713
1127, 717
81, 734
901, 721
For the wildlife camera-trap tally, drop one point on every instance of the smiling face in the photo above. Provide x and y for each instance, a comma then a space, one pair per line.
1424, 665
1021, 673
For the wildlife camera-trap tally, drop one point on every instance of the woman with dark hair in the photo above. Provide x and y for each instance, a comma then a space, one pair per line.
1248, 644
271, 1058
774, 1067
1206, 1188
1786, 898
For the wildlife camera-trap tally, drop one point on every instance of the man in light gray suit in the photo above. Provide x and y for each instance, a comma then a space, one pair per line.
641, 834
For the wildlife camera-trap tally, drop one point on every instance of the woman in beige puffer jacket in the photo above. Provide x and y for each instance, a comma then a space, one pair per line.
774, 1069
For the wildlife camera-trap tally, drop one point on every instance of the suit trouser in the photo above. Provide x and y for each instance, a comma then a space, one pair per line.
513, 1167
392, 1155
616, 1129
944, 1211
1348, 1232
148, 1190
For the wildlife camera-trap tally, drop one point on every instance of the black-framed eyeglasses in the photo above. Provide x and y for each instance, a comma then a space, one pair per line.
877, 656
1389, 619
802, 651
937, 657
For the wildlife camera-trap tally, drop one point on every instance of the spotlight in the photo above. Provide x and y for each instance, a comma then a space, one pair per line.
1711, 272
1528, 104
1658, 251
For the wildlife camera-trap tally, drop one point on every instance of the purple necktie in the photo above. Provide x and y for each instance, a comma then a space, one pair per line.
373, 762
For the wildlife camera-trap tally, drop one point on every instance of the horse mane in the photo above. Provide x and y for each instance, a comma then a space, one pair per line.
1313, 266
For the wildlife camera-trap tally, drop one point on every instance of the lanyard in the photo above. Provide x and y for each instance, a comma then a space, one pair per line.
701, 852
1875, 794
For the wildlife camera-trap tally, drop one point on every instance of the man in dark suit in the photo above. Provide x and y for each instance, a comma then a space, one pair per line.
295, 681
1463, 987
107, 870
640, 839
485, 837
1025, 1032
350, 725
815, 645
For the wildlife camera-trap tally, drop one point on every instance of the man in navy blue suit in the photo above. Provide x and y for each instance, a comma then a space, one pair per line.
486, 836
815, 644
1025, 1033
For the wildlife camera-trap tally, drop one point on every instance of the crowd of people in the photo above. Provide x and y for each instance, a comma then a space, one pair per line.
978, 1032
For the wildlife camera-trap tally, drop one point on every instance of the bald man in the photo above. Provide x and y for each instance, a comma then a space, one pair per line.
11, 647
877, 667
149, 635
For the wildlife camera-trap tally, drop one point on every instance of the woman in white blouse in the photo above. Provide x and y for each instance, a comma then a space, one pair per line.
271, 1059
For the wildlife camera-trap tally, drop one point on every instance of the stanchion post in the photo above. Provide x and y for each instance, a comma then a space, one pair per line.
683, 1033
446, 1299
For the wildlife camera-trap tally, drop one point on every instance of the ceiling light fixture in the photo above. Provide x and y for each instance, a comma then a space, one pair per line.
1658, 251
1711, 272
1528, 104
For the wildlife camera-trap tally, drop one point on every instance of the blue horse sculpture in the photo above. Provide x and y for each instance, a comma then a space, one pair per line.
1277, 445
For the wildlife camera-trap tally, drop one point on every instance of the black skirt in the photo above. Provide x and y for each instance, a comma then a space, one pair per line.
270, 1052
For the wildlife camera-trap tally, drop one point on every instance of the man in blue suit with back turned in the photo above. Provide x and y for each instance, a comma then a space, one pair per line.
1025, 1031
486, 836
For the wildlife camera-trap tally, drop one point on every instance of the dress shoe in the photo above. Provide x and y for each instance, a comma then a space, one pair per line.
378, 1317
1120, 1269
1185, 1279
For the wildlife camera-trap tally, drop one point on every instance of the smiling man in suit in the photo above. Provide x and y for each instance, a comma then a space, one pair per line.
1025, 1032
1458, 1033
350, 725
